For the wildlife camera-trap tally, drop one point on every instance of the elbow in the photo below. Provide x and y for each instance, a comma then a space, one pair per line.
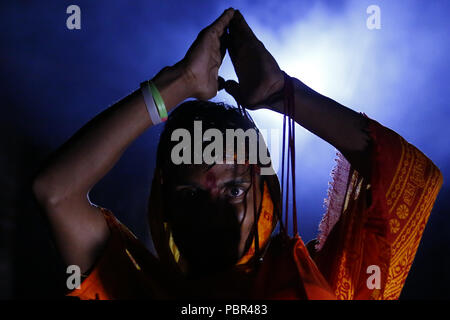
52, 194
44, 192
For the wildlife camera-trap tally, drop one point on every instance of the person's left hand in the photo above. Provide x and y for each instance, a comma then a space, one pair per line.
258, 73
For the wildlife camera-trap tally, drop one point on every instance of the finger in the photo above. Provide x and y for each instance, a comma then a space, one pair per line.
222, 22
223, 44
216, 58
220, 83
215, 61
232, 88
240, 26
214, 70
215, 44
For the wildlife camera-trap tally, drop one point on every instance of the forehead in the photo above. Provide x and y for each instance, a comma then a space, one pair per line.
203, 174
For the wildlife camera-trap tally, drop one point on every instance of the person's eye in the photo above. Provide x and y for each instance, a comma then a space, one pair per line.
188, 193
235, 192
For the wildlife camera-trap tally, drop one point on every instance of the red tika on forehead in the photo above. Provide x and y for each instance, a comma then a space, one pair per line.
211, 180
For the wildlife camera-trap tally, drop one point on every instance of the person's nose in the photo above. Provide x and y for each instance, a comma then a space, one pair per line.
214, 194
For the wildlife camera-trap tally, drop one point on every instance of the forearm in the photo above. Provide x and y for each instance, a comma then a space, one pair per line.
83, 160
333, 122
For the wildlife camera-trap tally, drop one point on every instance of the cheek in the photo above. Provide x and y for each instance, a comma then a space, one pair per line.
246, 218
246, 214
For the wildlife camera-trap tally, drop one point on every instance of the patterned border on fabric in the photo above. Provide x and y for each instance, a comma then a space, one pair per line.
410, 199
334, 202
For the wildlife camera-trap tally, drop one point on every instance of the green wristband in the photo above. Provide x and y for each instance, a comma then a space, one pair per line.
158, 101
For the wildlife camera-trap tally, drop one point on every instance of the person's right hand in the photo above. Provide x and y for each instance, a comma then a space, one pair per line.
201, 64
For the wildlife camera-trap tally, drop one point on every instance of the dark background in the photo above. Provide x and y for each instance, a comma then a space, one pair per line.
53, 80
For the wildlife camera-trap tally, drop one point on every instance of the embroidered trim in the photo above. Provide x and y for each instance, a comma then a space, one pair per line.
337, 190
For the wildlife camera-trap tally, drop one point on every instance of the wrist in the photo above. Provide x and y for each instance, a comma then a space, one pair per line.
172, 85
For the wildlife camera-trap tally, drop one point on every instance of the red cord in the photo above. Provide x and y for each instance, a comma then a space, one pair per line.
289, 115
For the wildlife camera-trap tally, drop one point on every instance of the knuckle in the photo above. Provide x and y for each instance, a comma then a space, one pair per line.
203, 33
212, 32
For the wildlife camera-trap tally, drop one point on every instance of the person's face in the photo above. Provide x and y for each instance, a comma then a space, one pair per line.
212, 212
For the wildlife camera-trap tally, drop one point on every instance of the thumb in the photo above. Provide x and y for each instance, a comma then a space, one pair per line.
233, 88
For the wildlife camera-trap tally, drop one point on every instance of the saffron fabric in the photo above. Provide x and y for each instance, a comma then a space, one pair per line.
380, 220
377, 220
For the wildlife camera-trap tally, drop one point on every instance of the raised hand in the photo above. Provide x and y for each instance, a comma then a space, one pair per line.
203, 59
258, 73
